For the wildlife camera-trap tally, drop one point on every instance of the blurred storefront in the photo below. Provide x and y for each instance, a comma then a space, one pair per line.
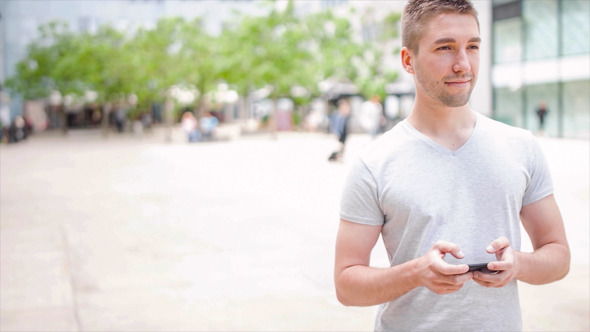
541, 53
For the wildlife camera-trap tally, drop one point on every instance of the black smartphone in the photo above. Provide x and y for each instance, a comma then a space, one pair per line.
480, 267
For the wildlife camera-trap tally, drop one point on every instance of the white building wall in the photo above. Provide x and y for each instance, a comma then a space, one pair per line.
481, 97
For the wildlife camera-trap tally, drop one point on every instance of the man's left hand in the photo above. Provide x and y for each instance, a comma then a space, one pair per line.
506, 265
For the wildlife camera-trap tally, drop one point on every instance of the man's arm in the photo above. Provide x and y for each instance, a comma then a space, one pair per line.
361, 285
550, 260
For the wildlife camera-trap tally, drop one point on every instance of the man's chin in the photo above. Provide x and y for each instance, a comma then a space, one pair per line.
455, 102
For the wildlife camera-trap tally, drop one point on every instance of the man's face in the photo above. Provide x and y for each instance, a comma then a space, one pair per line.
446, 66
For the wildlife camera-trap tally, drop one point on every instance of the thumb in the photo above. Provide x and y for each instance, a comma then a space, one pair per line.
497, 245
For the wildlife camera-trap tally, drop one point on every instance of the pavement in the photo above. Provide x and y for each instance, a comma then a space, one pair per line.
133, 233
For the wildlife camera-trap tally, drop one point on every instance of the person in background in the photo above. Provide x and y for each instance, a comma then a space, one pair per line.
18, 130
208, 125
339, 126
445, 188
372, 118
541, 114
190, 126
120, 118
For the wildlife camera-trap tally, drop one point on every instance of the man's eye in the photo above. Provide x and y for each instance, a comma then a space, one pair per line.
444, 48
474, 47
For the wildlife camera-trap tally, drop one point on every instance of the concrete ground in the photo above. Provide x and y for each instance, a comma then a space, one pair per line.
131, 233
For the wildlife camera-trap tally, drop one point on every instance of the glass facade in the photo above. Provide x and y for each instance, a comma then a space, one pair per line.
533, 96
575, 15
507, 40
541, 29
508, 106
576, 108
544, 41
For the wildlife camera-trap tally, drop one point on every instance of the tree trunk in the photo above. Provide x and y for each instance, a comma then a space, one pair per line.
64, 119
273, 119
168, 118
106, 111
201, 108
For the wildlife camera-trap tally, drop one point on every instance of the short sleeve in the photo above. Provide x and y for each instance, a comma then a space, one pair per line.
540, 184
360, 200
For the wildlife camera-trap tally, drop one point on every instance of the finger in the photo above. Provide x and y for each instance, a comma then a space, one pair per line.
480, 282
498, 244
453, 289
448, 247
501, 265
483, 283
444, 288
450, 269
456, 280
492, 278
460, 279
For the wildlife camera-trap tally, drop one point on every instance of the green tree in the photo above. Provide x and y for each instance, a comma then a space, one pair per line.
52, 63
279, 50
374, 76
270, 52
200, 60
333, 46
154, 60
106, 68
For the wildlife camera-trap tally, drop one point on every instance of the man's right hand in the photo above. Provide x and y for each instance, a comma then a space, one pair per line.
359, 284
440, 276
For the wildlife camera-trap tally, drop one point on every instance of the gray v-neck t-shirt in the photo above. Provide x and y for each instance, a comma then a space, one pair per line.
421, 192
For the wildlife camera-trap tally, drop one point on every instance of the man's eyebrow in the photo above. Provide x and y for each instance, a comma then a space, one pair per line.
447, 40
444, 41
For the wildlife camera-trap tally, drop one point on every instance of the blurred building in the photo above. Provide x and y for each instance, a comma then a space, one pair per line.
541, 52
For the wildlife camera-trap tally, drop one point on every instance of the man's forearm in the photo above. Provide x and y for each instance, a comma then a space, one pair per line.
546, 264
361, 285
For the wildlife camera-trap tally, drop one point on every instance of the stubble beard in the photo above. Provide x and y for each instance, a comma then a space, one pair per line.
436, 90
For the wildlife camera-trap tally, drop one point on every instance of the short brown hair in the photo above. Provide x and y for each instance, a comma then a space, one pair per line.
417, 14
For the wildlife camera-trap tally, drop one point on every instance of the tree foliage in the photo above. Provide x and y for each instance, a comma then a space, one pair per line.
279, 50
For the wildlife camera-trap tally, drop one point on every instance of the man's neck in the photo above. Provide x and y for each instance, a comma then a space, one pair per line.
450, 127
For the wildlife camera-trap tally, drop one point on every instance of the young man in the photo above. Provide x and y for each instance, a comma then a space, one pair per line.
445, 188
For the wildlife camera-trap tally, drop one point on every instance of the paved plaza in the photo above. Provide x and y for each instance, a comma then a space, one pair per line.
133, 233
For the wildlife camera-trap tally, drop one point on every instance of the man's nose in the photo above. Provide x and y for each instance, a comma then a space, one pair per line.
461, 63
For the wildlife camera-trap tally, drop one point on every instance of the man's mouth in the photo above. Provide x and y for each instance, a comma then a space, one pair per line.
459, 83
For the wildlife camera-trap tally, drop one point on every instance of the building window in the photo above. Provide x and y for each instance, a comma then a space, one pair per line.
541, 26
576, 118
507, 40
575, 17
535, 94
508, 106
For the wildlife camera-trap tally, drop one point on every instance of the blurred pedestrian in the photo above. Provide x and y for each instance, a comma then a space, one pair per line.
208, 125
541, 114
17, 131
3, 133
339, 126
447, 187
190, 126
146, 120
95, 118
371, 116
120, 119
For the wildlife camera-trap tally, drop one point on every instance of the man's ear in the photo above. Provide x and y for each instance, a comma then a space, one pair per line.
407, 58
